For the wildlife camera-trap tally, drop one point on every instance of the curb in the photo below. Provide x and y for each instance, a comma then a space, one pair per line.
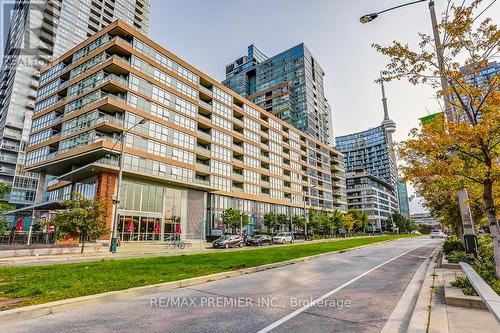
455, 296
405, 307
38, 310
419, 319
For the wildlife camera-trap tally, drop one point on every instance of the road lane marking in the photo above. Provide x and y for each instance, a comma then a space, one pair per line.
330, 293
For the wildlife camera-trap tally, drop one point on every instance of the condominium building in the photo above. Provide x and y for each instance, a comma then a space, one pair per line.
372, 195
193, 146
39, 32
289, 85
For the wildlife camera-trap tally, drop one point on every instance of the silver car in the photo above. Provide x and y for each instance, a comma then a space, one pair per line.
283, 237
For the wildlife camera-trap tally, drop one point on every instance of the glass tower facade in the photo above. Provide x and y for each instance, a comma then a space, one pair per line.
203, 146
39, 32
369, 160
289, 85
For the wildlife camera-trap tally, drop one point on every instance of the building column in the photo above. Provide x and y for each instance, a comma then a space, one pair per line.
106, 189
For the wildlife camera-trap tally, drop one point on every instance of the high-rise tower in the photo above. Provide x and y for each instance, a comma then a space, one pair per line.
39, 32
289, 85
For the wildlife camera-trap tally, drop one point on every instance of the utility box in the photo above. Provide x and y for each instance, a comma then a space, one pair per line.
470, 242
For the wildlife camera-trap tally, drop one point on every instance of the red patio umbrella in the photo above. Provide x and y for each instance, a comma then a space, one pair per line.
156, 228
130, 226
178, 229
19, 226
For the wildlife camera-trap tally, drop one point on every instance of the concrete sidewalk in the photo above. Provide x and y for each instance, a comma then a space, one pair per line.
431, 309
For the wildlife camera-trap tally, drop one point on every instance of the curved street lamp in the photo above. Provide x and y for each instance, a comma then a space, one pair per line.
370, 17
116, 200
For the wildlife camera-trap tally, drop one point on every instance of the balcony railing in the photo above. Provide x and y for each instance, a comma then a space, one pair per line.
205, 105
6, 171
7, 146
8, 159
201, 181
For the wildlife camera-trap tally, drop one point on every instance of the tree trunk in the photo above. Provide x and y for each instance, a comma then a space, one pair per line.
83, 243
492, 222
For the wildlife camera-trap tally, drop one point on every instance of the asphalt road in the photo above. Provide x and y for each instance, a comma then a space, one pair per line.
355, 291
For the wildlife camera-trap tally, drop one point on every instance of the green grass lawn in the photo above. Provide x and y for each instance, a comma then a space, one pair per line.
20, 286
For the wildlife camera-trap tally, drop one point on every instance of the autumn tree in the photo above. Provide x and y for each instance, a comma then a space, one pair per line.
349, 222
83, 218
465, 151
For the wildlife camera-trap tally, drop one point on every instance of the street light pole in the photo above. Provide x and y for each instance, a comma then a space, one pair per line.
116, 200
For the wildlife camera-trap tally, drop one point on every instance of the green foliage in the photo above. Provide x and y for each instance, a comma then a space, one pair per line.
338, 220
313, 223
270, 221
457, 256
233, 218
82, 218
404, 224
4, 189
299, 221
452, 243
282, 220
463, 283
360, 220
424, 229
483, 263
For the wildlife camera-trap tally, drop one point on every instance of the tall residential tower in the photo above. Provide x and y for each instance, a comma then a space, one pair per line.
39, 32
370, 162
288, 85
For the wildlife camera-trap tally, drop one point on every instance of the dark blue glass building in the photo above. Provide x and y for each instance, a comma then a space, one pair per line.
289, 85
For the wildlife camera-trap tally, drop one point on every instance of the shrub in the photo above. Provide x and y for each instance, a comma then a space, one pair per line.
457, 256
452, 243
463, 283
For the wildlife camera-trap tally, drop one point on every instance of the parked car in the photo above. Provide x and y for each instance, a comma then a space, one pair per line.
415, 232
259, 240
228, 241
437, 234
283, 237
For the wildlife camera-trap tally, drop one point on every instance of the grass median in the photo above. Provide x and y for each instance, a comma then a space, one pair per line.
21, 286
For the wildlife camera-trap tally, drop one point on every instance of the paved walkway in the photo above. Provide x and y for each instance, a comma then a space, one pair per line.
445, 318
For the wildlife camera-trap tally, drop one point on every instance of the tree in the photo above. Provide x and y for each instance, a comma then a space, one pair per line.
299, 221
360, 219
4, 189
325, 223
82, 218
234, 219
270, 221
466, 151
338, 220
282, 220
313, 223
403, 223
349, 222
